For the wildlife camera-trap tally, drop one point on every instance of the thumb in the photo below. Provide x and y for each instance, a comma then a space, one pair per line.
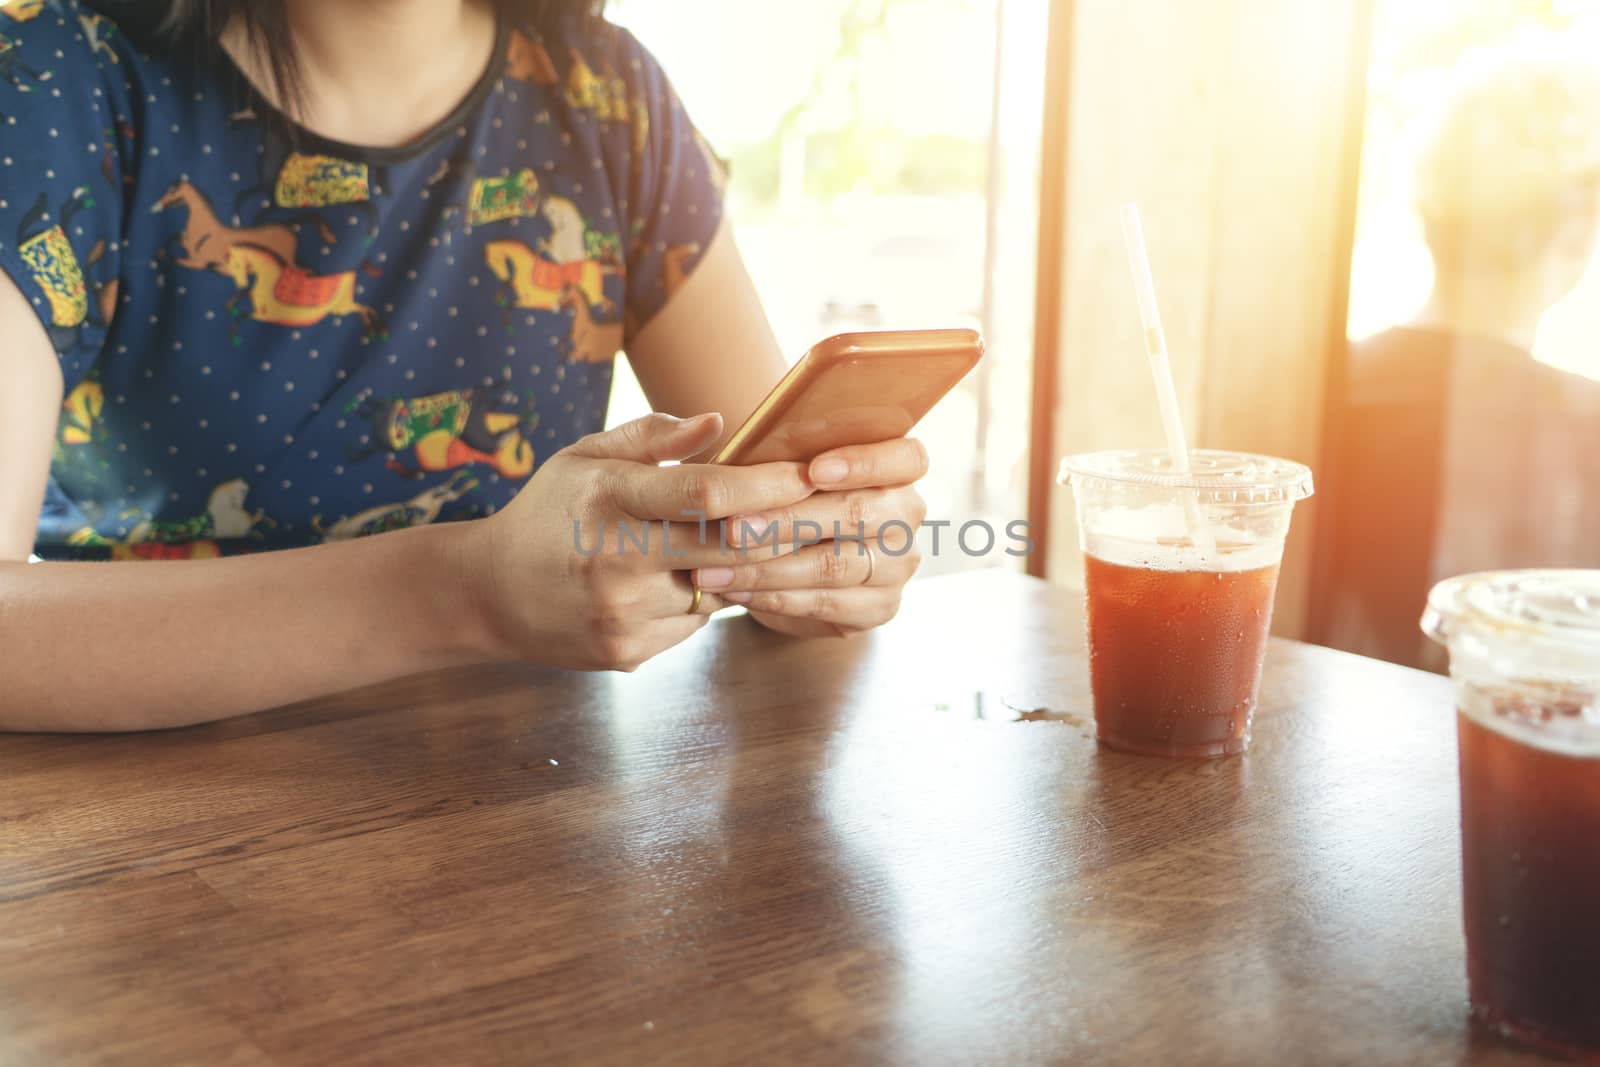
653, 438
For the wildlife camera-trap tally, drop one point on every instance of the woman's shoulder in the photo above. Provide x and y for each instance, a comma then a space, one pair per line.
61, 41
63, 95
593, 33
61, 57
580, 53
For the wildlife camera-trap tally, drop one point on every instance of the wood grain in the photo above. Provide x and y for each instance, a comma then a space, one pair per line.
752, 850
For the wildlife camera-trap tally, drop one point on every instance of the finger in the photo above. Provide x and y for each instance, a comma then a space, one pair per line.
696, 491
875, 514
689, 546
886, 463
860, 608
708, 603
834, 565
669, 633
653, 439
672, 595
643, 545
844, 426
663, 633
623, 614
644, 643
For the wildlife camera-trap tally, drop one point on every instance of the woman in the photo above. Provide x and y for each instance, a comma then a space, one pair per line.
296, 272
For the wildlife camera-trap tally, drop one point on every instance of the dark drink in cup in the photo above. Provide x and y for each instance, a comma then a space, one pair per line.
1176, 655
1180, 569
1525, 658
1530, 846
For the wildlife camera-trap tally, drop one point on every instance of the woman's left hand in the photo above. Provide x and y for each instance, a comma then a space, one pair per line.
813, 575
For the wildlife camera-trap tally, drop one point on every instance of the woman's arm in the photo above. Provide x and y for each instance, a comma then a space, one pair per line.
87, 646
145, 645
710, 348
30, 403
135, 646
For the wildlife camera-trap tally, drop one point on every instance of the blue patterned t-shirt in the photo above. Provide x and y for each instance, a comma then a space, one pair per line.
270, 339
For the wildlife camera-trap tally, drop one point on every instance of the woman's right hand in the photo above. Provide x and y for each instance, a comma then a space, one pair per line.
555, 592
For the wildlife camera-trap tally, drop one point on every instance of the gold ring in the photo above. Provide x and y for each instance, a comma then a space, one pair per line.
694, 605
872, 563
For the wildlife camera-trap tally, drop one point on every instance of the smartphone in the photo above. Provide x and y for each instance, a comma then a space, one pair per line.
852, 389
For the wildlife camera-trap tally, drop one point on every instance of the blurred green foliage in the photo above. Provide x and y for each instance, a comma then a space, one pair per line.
877, 161
844, 154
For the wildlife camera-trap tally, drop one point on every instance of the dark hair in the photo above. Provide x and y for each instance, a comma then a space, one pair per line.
200, 23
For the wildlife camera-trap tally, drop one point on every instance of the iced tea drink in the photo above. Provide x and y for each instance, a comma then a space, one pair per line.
1525, 658
1178, 628
1175, 655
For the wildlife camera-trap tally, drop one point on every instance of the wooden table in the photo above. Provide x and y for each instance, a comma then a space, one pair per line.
752, 850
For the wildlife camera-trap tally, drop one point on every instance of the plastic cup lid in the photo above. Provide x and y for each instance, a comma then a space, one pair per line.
1557, 609
1214, 476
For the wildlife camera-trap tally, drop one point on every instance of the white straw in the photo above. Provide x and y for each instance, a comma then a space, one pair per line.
1155, 344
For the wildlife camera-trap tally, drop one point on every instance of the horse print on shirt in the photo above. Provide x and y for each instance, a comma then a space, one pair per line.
447, 430
528, 60
225, 517
420, 510
566, 271
75, 301
20, 75
261, 263
22, 10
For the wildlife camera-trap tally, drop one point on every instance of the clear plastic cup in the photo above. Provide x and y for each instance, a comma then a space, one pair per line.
1525, 660
1178, 625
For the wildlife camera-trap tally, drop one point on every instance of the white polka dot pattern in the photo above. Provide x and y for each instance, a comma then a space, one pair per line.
268, 344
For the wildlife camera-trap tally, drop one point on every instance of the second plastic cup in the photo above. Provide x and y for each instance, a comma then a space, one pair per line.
1178, 619
1525, 660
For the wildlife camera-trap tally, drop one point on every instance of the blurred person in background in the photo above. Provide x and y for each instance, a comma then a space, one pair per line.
1455, 450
